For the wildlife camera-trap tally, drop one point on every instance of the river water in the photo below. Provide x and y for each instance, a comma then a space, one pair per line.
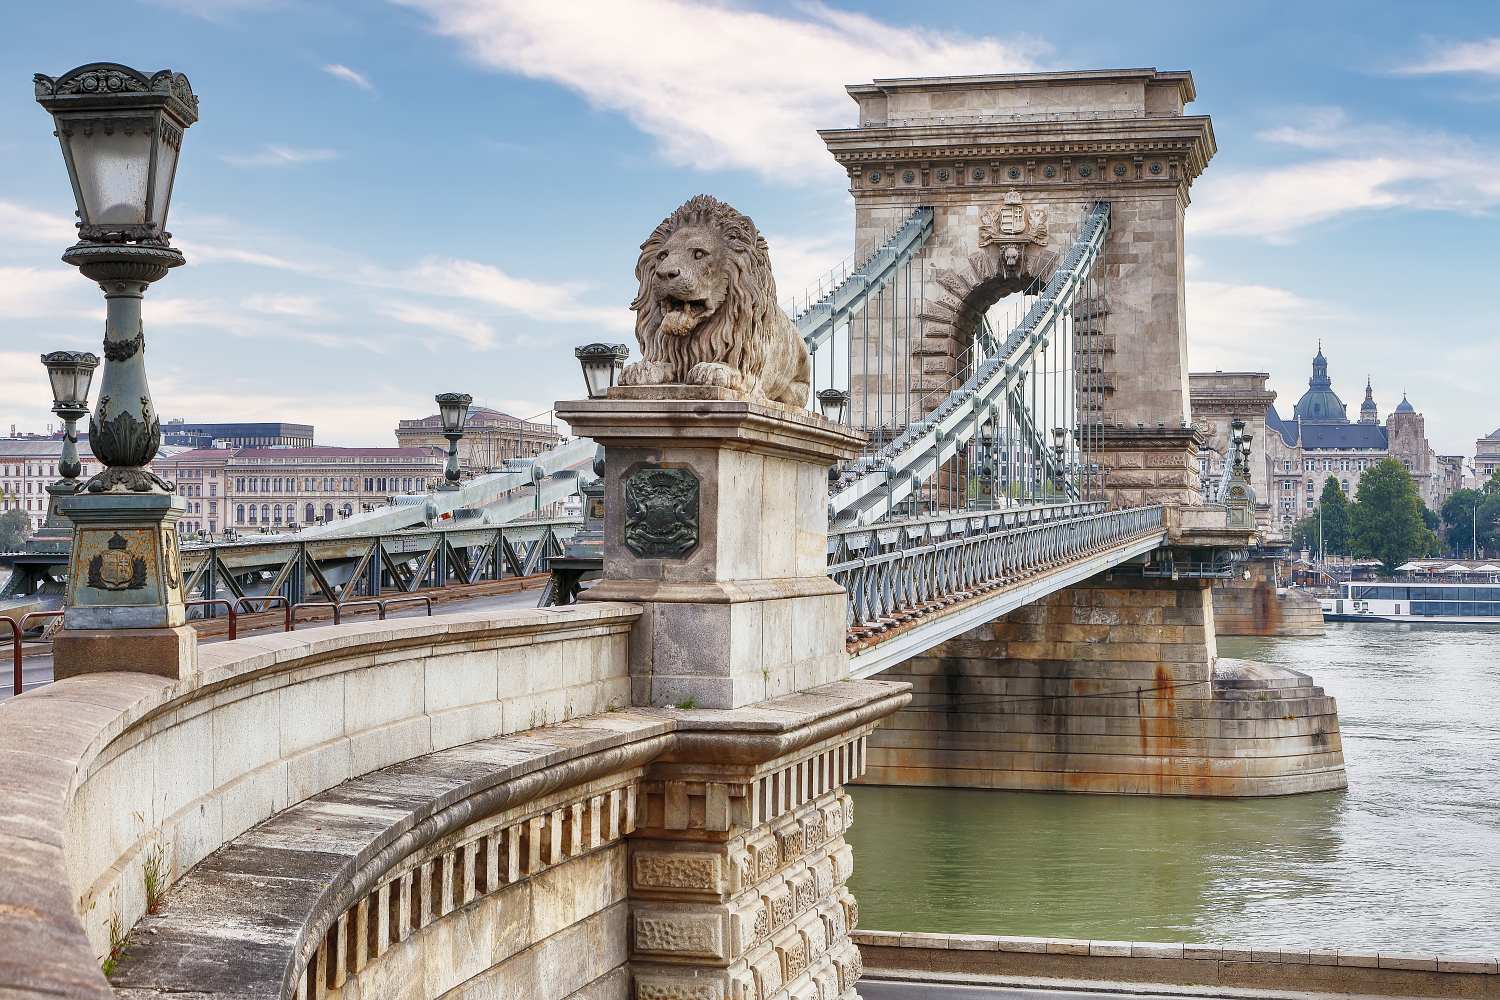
1408, 858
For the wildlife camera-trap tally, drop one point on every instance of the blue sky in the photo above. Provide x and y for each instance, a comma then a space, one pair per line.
384, 200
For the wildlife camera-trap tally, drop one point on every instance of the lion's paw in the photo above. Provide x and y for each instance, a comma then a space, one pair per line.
715, 374
646, 373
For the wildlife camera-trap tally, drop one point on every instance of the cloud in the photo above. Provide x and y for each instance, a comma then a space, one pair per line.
279, 156
480, 282
31, 226
34, 293
342, 72
718, 86
474, 332
1354, 168
1481, 57
306, 307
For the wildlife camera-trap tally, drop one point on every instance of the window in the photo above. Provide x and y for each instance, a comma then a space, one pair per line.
252, 513
327, 512
311, 512
265, 512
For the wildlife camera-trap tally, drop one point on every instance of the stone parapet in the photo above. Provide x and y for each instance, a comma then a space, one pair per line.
1148, 966
1146, 465
416, 786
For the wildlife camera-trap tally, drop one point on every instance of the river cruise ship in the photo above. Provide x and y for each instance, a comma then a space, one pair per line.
1457, 603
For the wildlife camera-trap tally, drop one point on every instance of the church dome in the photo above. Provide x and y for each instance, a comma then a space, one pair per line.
1404, 406
1320, 404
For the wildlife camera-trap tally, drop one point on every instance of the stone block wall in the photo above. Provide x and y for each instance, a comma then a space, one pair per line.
1111, 686
1256, 607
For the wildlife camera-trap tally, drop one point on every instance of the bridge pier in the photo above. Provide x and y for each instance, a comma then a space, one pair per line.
1111, 686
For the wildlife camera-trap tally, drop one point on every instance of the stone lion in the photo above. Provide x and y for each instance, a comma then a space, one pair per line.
706, 313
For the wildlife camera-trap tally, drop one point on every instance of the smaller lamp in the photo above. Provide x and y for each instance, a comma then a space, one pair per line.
453, 410
71, 374
1059, 436
601, 365
833, 403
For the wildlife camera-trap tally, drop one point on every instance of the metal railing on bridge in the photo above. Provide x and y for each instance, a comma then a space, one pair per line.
901, 570
365, 566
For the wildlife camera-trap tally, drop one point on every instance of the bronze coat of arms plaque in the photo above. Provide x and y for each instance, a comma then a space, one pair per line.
115, 566
661, 512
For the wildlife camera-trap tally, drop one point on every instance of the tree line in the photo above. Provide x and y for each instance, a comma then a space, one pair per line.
1388, 521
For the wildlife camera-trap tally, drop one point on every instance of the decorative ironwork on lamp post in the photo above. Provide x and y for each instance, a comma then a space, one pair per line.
453, 410
120, 132
601, 365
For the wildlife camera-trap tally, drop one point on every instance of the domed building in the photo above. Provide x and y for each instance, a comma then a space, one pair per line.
1319, 441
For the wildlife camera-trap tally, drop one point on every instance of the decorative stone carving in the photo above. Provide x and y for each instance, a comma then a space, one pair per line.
706, 311
661, 512
679, 934
687, 870
1013, 223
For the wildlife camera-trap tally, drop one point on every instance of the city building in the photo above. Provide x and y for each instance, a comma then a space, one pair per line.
28, 465
491, 438
248, 435
1318, 440
1486, 458
282, 489
1217, 399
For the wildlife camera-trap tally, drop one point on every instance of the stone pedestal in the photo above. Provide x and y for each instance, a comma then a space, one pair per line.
124, 607
1147, 465
738, 864
716, 520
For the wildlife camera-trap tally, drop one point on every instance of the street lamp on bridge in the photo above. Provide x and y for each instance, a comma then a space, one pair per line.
453, 409
120, 132
601, 365
70, 373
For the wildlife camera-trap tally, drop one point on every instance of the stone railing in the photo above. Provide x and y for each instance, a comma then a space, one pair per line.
115, 784
1137, 966
346, 811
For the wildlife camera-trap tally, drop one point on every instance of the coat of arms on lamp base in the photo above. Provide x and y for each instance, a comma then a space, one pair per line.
124, 606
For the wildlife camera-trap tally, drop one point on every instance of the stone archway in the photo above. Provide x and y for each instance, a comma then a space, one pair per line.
969, 147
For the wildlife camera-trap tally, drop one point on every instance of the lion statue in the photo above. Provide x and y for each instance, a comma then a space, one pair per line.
706, 313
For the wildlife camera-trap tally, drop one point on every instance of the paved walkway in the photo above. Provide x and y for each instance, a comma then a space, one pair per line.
886, 989
37, 670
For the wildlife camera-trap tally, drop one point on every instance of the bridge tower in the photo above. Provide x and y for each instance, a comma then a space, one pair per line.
1010, 164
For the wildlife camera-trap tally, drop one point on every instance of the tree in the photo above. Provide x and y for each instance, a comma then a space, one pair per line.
15, 528
1335, 508
1469, 518
1386, 520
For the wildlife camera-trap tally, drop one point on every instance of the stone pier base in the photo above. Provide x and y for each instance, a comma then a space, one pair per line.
1256, 607
1112, 686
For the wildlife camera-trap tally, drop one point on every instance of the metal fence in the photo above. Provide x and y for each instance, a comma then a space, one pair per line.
894, 572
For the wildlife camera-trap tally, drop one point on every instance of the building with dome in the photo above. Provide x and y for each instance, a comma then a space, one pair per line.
1318, 440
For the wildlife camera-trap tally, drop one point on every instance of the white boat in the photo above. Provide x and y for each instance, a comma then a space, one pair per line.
1386, 601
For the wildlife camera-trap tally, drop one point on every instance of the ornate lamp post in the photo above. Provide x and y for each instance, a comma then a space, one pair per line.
121, 131
70, 374
453, 408
601, 366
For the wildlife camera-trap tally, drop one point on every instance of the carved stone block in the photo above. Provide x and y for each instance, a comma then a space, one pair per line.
767, 854
766, 968
792, 948
804, 890
670, 932
778, 900
690, 870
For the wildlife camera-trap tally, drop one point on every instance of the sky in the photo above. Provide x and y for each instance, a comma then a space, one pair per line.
386, 199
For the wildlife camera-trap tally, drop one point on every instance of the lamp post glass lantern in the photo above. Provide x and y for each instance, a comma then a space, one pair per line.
70, 373
601, 365
833, 403
453, 411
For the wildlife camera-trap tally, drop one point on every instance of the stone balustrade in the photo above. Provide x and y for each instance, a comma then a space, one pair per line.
345, 811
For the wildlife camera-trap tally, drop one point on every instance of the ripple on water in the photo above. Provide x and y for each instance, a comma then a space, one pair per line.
1408, 858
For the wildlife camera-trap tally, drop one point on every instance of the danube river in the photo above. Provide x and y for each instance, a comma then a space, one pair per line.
1408, 858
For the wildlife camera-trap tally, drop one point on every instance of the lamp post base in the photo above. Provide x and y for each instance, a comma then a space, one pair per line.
124, 572
166, 652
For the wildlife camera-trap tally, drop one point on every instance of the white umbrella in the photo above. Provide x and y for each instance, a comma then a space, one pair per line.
1456, 568
1408, 567
1487, 568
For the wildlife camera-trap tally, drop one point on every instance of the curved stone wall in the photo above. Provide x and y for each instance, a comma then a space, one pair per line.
115, 784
